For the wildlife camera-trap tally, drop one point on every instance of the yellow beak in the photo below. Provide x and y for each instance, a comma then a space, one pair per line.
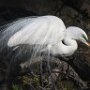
88, 44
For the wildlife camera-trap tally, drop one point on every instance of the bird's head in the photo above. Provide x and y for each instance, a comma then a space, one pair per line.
77, 34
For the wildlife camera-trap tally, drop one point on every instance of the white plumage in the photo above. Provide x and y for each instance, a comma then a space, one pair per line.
42, 30
45, 30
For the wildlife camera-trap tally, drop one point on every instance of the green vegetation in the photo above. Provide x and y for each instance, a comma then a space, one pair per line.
15, 87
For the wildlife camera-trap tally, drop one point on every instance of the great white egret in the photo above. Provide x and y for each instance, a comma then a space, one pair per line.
44, 30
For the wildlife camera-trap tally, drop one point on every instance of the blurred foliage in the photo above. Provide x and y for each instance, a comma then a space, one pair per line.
15, 87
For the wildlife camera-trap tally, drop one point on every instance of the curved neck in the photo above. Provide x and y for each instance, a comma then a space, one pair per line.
70, 43
62, 49
70, 47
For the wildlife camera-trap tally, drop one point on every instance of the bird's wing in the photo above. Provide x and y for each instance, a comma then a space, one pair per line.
39, 31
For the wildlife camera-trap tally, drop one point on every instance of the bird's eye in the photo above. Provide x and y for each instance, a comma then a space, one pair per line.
84, 37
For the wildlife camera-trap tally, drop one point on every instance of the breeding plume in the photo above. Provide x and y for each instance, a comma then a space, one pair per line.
48, 32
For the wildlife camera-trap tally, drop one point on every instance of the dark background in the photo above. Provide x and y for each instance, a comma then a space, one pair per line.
72, 12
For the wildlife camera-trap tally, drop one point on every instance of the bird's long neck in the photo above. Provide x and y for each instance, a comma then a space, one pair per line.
66, 49
70, 46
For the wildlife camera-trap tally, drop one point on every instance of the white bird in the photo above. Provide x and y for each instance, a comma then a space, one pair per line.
45, 30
